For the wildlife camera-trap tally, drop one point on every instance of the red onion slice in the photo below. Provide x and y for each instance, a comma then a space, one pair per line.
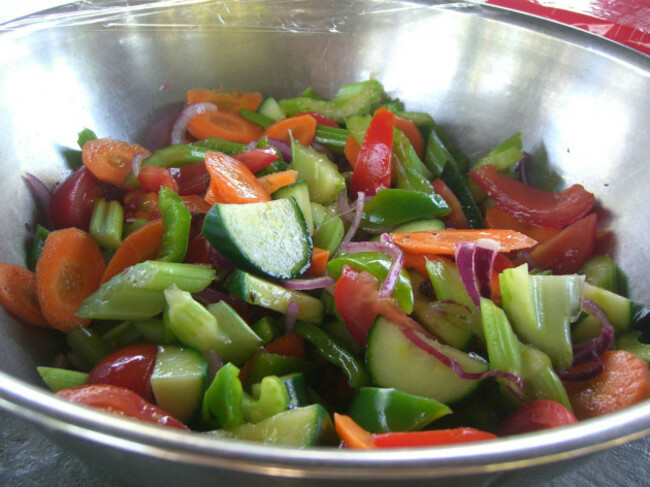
354, 226
41, 194
136, 162
283, 147
188, 113
292, 315
596, 368
397, 256
465, 264
323, 150
214, 361
484, 256
307, 284
417, 340
209, 296
345, 211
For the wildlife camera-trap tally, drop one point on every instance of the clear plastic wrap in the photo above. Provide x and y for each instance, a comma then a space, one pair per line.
623, 21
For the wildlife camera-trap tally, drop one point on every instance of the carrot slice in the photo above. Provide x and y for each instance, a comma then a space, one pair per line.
444, 241
351, 150
231, 181
408, 128
495, 217
68, 271
274, 181
225, 125
351, 433
301, 128
230, 102
291, 345
18, 294
624, 381
318, 265
110, 159
140, 245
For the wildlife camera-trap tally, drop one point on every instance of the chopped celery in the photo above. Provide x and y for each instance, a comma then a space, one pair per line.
351, 99
132, 226
242, 342
331, 137
192, 323
138, 293
121, 335
152, 331
59, 379
540, 381
87, 345
106, 223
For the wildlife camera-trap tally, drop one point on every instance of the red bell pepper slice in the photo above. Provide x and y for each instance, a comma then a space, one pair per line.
257, 159
531, 204
372, 170
568, 250
320, 119
457, 218
430, 438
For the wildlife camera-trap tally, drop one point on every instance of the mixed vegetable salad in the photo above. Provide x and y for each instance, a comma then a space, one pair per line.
326, 272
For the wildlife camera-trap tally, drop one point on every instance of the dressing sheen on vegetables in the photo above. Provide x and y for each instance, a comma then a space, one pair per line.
311, 272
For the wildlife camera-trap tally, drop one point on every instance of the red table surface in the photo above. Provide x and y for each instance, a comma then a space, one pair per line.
623, 21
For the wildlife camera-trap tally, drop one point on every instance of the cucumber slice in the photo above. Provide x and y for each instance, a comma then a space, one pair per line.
601, 271
137, 294
242, 341
259, 292
322, 175
178, 381
301, 427
271, 108
630, 342
619, 309
300, 192
268, 238
394, 361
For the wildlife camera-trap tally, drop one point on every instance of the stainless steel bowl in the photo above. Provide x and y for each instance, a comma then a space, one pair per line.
582, 103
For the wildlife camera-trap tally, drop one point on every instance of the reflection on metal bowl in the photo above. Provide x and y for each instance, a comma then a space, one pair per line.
485, 73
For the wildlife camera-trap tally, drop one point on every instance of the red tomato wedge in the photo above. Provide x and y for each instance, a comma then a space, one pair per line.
372, 170
152, 178
129, 367
537, 415
120, 401
531, 204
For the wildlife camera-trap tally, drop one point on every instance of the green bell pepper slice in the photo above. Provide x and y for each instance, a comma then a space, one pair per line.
392, 207
378, 265
222, 403
176, 222
384, 410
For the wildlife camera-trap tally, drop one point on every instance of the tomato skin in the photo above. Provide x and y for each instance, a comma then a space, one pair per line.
120, 401
568, 250
257, 159
320, 119
152, 178
73, 200
531, 204
356, 296
430, 438
372, 170
191, 179
535, 416
129, 367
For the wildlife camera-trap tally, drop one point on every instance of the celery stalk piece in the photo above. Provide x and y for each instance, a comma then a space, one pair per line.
87, 345
192, 323
137, 294
503, 346
540, 381
331, 137
59, 379
269, 397
242, 341
107, 223
152, 331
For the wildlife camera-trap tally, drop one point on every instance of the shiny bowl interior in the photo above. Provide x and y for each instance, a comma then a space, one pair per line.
582, 104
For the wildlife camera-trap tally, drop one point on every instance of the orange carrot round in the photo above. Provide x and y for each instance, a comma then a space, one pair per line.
624, 382
140, 245
231, 181
67, 272
230, 102
274, 181
444, 241
351, 433
18, 294
110, 159
318, 264
225, 125
301, 128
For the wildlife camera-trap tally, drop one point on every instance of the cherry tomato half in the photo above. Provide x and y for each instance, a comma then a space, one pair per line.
121, 401
129, 367
537, 415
